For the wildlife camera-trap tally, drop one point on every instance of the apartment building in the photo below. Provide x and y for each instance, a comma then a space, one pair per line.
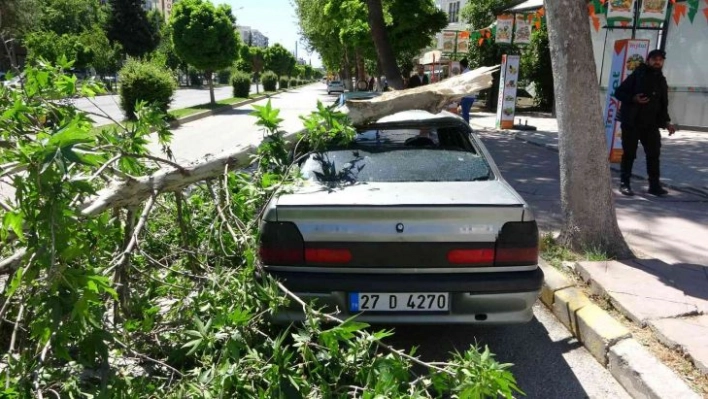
252, 37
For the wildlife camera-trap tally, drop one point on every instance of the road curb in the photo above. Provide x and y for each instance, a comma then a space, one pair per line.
639, 372
684, 188
211, 112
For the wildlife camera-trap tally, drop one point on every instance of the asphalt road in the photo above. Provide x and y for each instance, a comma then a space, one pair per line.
548, 362
184, 97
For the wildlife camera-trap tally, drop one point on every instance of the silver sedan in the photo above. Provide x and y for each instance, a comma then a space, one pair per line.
409, 223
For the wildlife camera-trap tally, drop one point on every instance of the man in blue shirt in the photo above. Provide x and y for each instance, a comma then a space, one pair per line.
466, 102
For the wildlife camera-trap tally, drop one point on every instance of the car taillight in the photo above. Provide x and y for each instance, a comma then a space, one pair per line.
476, 256
327, 255
281, 244
517, 244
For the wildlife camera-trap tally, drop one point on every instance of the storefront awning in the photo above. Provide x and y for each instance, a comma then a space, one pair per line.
528, 5
430, 57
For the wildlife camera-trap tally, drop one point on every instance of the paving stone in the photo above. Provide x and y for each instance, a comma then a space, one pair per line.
643, 376
553, 280
599, 331
690, 334
566, 304
641, 292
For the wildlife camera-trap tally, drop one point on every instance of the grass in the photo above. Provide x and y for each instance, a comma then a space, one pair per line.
555, 253
183, 112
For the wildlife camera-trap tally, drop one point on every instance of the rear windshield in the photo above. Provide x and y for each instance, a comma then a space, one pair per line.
400, 155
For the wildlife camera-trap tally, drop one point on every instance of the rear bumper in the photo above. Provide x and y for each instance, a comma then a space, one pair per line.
484, 298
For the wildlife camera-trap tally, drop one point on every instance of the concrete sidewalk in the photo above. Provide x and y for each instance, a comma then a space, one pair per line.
684, 165
666, 288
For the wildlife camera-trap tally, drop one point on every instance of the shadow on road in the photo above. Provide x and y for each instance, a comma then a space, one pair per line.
690, 279
671, 225
540, 367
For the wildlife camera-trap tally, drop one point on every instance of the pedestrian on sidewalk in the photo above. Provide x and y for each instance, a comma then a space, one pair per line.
645, 109
466, 102
419, 79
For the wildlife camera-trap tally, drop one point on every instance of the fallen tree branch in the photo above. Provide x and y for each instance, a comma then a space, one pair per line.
135, 191
12, 262
432, 98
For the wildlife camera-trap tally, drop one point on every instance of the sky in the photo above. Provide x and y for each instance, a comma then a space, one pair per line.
274, 18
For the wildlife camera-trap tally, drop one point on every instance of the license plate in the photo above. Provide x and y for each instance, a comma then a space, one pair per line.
399, 301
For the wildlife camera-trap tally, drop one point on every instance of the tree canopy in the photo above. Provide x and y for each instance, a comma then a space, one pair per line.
129, 25
279, 60
339, 29
204, 36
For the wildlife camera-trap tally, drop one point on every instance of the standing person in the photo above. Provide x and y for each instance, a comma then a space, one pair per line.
466, 102
419, 79
645, 109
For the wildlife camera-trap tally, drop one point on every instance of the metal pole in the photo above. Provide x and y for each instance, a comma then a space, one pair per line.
635, 20
604, 49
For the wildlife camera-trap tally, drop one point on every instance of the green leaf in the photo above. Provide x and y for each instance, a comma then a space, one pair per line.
14, 221
71, 135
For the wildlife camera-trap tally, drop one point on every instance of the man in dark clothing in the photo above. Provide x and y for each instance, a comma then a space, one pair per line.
419, 79
644, 97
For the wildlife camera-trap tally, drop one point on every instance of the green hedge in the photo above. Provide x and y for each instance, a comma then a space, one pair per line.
294, 82
283, 83
269, 80
241, 83
145, 81
224, 76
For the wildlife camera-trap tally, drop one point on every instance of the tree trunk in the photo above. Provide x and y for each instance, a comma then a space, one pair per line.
210, 81
383, 47
361, 68
589, 219
347, 72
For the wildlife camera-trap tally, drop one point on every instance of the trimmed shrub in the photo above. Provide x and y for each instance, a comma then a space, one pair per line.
294, 82
283, 83
269, 80
145, 81
195, 77
224, 76
241, 83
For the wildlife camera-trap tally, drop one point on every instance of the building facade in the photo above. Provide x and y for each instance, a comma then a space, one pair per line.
252, 37
453, 9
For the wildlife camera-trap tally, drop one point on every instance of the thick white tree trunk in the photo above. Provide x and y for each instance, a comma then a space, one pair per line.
432, 97
587, 201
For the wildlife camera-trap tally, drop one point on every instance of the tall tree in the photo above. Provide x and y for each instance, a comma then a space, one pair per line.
383, 46
70, 16
18, 16
279, 60
204, 36
589, 219
129, 25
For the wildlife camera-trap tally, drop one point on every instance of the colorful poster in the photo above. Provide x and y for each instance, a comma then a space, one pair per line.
505, 27
463, 42
522, 29
506, 104
620, 12
653, 13
628, 54
448, 41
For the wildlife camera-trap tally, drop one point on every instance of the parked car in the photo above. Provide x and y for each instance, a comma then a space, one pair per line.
335, 86
411, 222
354, 95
